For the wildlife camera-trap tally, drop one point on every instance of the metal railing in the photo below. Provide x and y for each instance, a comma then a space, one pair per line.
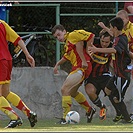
58, 17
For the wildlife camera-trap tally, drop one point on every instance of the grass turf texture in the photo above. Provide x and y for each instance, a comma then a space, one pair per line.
50, 126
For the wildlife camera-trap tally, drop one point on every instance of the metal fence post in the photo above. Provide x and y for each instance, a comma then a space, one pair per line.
57, 42
116, 7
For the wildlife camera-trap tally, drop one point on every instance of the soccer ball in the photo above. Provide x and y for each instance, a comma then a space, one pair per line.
72, 117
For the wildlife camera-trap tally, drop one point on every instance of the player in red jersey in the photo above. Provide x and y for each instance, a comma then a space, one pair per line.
6, 96
119, 83
100, 74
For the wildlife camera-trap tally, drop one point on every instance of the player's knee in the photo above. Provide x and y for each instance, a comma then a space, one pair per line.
64, 91
90, 91
116, 100
107, 91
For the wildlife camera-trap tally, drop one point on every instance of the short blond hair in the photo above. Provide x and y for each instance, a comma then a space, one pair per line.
122, 12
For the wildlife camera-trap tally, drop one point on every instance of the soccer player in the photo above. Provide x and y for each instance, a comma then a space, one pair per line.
6, 96
118, 84
100, 74
75, 52
128, 30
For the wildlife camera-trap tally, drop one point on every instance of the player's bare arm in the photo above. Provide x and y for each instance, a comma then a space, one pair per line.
61, 61
102, 25
79, 48
130, 9
101, 50
29, 58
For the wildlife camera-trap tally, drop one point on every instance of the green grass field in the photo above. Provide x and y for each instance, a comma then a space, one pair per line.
50, 126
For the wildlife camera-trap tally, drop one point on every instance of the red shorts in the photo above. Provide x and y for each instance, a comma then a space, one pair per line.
5, 71
86, 72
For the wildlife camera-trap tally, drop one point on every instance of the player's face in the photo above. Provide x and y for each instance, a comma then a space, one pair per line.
60, 35
105, 41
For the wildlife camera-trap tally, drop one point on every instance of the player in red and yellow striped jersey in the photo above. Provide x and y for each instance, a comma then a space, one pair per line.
8, 34
75, 52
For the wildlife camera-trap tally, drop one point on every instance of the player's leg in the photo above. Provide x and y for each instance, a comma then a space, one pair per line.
93, 88
122, 88
5, 71
113, 89
81, 99
71, 81
18, 103
15, 99
7, 109
118, 116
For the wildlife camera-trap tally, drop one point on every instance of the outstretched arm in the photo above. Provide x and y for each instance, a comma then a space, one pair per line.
94, 49
101, 24
130, 9
61, 61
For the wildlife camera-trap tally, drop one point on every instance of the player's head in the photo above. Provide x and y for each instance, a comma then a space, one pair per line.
116, 24
58, 31
123, 15
105, 39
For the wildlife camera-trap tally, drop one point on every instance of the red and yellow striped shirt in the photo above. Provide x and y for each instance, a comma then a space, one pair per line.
7, 34
70, 47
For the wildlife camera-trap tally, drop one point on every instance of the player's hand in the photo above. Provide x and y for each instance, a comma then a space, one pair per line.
90, 53
101, 24
56, 70
92, 49
84, 65
30, 60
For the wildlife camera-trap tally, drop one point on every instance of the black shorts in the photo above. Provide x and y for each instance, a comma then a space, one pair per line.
118, 86
99, 82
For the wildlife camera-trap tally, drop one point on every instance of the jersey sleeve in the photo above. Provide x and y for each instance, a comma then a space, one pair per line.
11, 35
130, 38
121, 44
131, 35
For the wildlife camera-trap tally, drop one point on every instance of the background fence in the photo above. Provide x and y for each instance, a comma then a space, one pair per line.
43, 15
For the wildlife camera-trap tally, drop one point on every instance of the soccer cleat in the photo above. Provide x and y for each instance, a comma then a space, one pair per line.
127, 122
62, 121
32, 118
131, 116
102, 115
117, 118
90, 115
14, 123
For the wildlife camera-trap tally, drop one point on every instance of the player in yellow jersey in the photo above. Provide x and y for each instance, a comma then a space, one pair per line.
6, 96
75, 52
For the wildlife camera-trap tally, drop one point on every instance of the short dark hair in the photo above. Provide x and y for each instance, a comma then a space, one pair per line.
117, 22
57, 27
104, 33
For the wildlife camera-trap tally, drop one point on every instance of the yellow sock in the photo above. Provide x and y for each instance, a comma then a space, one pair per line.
80, 98
7, 109
18, 103
66, 105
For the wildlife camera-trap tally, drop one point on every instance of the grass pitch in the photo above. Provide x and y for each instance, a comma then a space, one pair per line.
49, 126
